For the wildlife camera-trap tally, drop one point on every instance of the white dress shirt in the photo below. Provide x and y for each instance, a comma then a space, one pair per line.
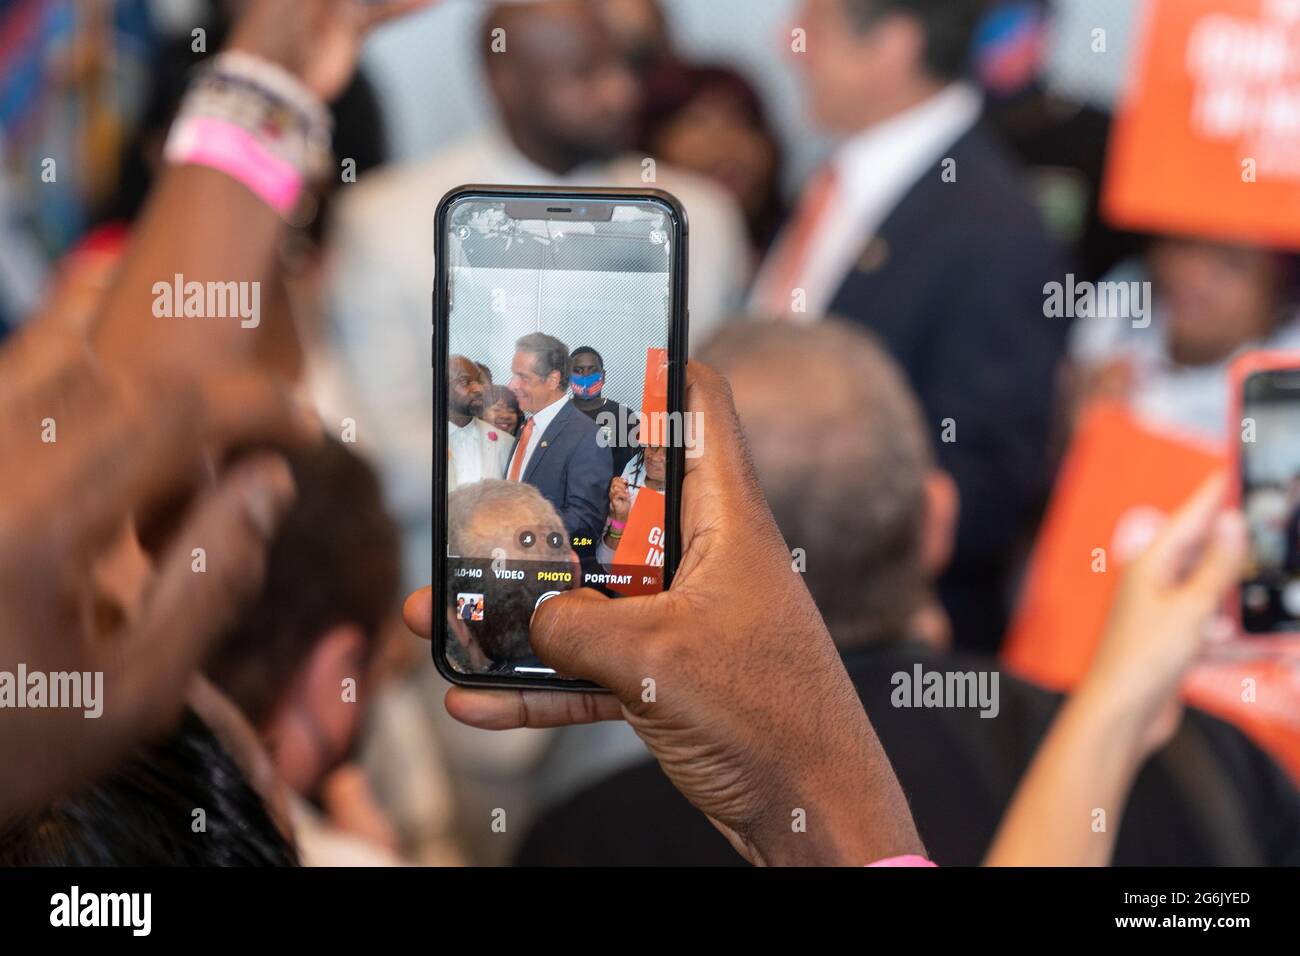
541, 421
476, 451
874, 170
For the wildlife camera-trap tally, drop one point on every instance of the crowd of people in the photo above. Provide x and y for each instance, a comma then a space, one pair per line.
220, 516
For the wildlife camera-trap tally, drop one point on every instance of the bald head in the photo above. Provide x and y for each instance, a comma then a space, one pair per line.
464, 390
639, 27
530, 26
843, 457
564, 89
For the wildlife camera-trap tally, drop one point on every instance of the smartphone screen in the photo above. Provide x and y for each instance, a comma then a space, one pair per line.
1270, 478
561, 318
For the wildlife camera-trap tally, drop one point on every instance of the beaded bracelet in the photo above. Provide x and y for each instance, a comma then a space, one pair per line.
253, 121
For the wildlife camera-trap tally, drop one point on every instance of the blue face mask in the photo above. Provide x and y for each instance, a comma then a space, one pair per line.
588, 386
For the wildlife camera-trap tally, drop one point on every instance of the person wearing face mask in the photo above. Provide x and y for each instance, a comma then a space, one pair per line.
565, 103
587, 381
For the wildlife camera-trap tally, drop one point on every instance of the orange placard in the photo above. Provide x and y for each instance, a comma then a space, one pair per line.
1118, 483
654, 399
640, 553
1261, 696
1207, 138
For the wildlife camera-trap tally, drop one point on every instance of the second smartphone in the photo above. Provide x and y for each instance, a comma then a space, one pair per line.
559, 363
1267, 392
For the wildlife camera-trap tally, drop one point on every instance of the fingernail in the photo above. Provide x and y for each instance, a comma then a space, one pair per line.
267, 497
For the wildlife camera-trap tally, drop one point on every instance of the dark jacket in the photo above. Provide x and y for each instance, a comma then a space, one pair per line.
1210, 797
953, 284
572, 471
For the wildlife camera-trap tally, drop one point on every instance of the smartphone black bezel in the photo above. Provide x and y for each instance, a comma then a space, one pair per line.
1268, 378
677, 348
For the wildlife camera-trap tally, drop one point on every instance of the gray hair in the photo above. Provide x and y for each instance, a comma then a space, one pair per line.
552, 355
476, 513
950, 28
843, 458
484, 521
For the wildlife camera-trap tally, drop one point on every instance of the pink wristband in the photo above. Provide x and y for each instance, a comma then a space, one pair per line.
617, 525
231, 149
911, 859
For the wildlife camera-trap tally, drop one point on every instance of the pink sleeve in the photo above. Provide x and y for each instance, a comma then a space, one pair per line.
909, 860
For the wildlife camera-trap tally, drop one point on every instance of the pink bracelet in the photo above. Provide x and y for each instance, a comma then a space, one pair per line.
617, 525
911, 859
233, 150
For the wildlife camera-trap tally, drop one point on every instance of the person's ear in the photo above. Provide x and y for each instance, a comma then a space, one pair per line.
942, 508
327, 695
339, 654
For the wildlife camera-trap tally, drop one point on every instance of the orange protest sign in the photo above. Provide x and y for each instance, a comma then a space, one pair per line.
1207, 138
1117, 485
1261, 696
654, 399
640, 553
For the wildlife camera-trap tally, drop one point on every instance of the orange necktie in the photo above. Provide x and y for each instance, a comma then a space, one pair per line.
521, 449
792, 254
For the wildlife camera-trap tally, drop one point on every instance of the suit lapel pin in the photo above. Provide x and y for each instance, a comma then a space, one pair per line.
875, 256
543, 444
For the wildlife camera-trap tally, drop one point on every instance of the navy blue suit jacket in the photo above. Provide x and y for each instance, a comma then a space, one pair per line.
572, 471
953, 285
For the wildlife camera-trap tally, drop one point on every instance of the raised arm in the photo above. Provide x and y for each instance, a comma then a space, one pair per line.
1128, 704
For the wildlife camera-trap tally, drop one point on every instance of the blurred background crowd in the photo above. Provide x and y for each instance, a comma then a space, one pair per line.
921, 470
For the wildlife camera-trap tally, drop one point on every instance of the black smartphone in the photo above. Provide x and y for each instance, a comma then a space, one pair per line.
1268, 464
559, 355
